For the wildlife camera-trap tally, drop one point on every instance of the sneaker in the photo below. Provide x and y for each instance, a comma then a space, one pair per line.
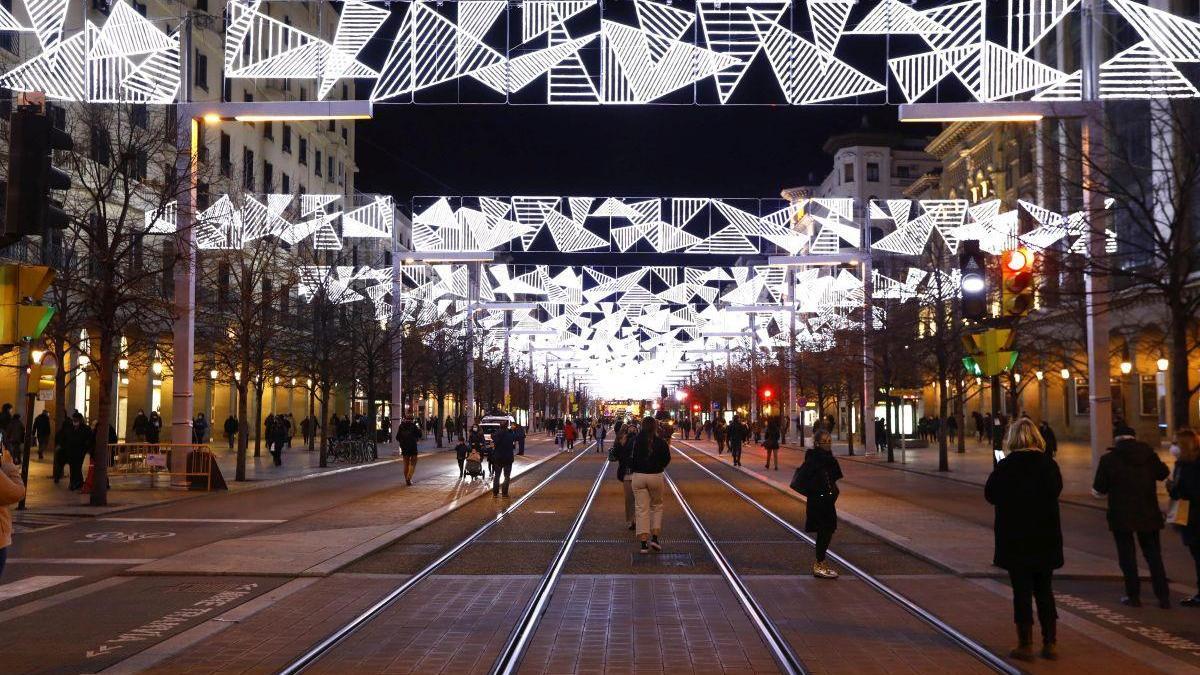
645, 548
1193, 601
1130, 601
654, 543
823, 571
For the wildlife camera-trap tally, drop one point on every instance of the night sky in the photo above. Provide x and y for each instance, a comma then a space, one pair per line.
627, 151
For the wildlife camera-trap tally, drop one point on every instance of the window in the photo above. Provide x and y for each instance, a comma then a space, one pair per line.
226, 89
345, 136
285, 184
247, 96
1148, 394
200, 64
202, 5
8, 40
902, 171
222, 284
1082, 405
872, 172
203, 196
329, 171
226, 155
101, 6
139, 115
285, 293
268, 177
135, 165
848, 173
304, 151
303, 92
269, 130
248, 168
301, 191
287, 138
345, 92
318, 163
331, 126
139, 7
99, 149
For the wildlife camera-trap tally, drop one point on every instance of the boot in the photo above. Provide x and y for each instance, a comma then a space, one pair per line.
1050, 639
1024, 650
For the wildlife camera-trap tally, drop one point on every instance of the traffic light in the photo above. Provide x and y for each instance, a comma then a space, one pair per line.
766, 393
972, 268
988, 352
30, 208
1016, 291
21, 315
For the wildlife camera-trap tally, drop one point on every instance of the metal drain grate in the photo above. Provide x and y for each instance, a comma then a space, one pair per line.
206, 587
662, 560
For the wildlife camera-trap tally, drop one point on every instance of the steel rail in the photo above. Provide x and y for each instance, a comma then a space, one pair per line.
977, 650
785, 657
325, 646
514, 649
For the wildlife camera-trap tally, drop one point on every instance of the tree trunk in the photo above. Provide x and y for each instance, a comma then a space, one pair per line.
108, 362
440, 422
258, 398
1181, 393
888, 426
60, 391
943, 410
312, 415
324, 458
243, 440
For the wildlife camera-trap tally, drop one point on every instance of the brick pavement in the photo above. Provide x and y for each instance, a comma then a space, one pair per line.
645, 624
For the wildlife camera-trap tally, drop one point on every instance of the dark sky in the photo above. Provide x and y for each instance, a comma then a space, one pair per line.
626, 151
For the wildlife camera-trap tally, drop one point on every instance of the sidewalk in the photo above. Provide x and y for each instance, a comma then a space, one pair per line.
130, 492
973, 466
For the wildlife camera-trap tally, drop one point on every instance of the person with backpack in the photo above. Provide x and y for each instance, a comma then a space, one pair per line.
650, 456
817, 479
622, 448
406, 437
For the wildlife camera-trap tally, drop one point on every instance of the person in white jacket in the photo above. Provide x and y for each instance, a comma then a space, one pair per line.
12, 490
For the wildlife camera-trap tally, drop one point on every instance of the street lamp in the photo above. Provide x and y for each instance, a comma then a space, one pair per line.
1162, 364
157, 367
1126, 367
1066, 374
212, 374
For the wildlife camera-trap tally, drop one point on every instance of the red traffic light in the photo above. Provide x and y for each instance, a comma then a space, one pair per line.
696, 406
1017, 260
766, 393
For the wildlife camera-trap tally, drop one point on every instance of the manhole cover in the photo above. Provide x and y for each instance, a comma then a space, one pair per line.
662, 560
207, 587
418, 549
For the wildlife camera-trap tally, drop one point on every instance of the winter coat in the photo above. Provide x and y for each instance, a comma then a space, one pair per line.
1050, 439
502, 447
153, 429
819, 472
1128, 474
1024, 487
771, 438
14, 433
569, 432
622, 448
1185, 484
231, 425
407, 438
12, 490
650, 454
737, 432
41, 427
76, 441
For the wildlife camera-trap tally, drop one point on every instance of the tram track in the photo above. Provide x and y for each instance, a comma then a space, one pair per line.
518, 639
965, 643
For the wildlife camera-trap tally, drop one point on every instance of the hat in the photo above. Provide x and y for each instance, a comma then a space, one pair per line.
1124, 430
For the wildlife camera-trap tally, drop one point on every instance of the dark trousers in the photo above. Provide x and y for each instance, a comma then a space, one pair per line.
1193, 545
461, 472
1152, 552
823, 539
230, 438
497, 469
76, 466
520, 446
277, 452
1029, 586
735, 449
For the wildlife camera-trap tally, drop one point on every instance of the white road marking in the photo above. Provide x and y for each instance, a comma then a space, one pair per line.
168, 622
81, 561
197, 520
122, 537
31, 584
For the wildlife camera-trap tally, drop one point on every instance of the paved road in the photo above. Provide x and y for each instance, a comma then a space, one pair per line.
176, 603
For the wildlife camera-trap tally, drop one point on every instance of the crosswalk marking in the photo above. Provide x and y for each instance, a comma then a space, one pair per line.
31, 584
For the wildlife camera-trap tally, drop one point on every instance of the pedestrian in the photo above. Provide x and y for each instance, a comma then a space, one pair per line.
719, 432
154, 427
1184, 486
757, 427
460, 455
502, 459
771, 441
648, 458
816, 478
6, 414
880, 434
140, 422
1129, 473
306, 429
14, 437
519, 435
12, 490
276, 435
231, 429
200, 429
569, 435
1048, 436
406, 436
736, 434
1024, 488
41, 432
622, 448
76, 440
783, 429
601, 434
478, 444
952, 428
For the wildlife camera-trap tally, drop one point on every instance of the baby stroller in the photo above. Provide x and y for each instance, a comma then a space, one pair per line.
474, 466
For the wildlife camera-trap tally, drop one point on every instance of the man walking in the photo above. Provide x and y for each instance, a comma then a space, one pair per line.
1129, 473
601, 432
502, 459
41, 432
231, 429
737, 433
407, 437
519, 435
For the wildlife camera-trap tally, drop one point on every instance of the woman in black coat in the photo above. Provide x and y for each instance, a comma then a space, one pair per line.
1024, 487
1185, 484
817, 479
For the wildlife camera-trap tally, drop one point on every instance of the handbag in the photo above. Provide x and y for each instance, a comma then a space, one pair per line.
797, 483
1177, 513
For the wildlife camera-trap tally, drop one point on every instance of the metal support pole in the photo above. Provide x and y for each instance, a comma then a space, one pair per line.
23, 394
507, 362
472, 299
997, 429
546, 398
529, 414
396, 409
867, 417
790, 284
184, 328
753, 369
728, 378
